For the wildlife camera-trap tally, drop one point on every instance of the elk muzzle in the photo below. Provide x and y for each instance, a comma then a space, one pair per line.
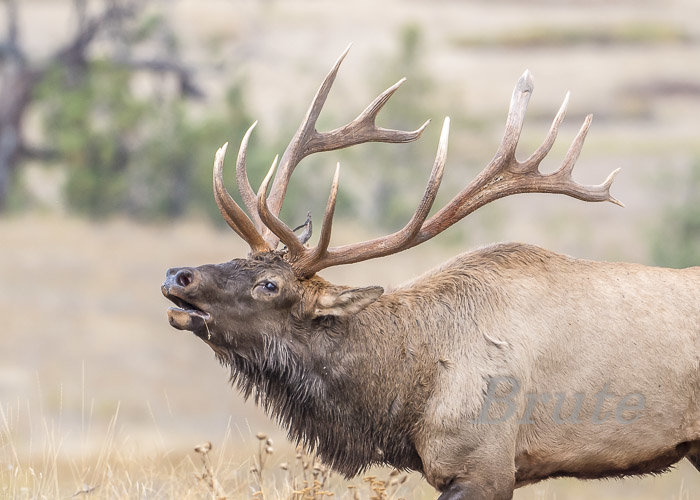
181, 286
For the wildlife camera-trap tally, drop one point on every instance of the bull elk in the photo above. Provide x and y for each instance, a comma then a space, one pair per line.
502, 367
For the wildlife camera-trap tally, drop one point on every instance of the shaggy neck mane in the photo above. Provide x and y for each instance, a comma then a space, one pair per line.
345, 435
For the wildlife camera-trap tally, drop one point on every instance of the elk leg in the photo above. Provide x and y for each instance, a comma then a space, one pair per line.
469, 491
481, 479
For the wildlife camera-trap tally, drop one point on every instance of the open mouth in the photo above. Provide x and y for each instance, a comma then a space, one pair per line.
185, 316
190, 309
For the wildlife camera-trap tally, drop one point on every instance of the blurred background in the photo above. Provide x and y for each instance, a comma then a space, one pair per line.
111, 111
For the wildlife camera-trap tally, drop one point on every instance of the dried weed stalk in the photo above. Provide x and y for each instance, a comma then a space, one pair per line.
207, 476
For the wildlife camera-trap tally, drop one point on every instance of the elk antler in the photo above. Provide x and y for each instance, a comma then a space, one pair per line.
234, 216
308, 140
503, 176
306, 261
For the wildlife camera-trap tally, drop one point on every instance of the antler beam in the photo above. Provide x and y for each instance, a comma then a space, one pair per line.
308, 140
234, 216
503, 176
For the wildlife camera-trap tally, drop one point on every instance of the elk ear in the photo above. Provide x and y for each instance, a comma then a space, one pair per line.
346, 302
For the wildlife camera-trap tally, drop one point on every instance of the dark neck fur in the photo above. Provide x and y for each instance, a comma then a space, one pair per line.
328, 413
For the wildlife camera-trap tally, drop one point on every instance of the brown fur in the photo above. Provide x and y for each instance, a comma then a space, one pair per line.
401, 378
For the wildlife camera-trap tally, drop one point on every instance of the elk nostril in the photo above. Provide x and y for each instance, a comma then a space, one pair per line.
184, 277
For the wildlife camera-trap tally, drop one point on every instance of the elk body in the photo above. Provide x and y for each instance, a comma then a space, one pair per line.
503, 367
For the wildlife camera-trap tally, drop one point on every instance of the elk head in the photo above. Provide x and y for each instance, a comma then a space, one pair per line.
273, 291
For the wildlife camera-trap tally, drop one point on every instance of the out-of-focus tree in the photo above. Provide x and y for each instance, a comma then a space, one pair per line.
144, 156
676, 240
84, 89
172, 172
389, 169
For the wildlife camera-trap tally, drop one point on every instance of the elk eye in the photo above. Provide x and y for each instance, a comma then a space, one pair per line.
269, 286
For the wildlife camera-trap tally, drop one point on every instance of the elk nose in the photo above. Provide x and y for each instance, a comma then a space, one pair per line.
184, 277
181, 276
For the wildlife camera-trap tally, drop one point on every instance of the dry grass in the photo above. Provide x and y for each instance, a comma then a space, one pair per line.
120, 469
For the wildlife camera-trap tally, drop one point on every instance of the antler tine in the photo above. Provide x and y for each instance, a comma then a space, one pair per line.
247, 193
574, 151
308, 140
364, 129
325, 238
533, 162
300, 257
600, 192
322, 256
230, 211
516, 117
279, 228
294, 153
505, 175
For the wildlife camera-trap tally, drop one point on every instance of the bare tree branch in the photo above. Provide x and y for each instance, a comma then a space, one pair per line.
74, 51
183, 74
40, 153
12, 24
80, 13
10, 48
19, 78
